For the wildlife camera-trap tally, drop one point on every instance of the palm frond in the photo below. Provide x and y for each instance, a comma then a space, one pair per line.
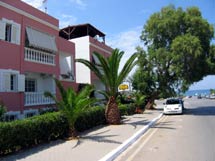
91, 66
129, 65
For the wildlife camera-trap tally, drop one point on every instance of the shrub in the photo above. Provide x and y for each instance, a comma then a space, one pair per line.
21, 134
2, 110
90, 118
25, 133
128, 109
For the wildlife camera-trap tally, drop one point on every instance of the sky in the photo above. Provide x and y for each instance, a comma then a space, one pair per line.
121, 20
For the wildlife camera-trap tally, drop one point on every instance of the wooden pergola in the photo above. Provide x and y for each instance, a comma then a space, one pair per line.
81, 30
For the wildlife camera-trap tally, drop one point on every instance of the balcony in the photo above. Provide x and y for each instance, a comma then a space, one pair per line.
39, 56
37, 98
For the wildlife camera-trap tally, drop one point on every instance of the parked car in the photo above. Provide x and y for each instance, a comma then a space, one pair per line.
173, 106
199, 97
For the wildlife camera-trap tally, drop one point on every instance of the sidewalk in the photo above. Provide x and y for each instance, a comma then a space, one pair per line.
93, 145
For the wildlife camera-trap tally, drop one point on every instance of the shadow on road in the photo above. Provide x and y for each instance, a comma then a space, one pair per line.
201, 111
33, 150
164, 125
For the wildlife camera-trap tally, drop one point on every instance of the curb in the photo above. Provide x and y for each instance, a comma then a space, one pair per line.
116, 152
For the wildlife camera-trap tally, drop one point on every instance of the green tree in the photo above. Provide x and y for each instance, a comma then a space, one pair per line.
107, 70
212, 91
178, 52
139, 101
72, 104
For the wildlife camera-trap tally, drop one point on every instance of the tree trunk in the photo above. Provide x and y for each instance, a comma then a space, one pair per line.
150, 103
112, 113
72, 133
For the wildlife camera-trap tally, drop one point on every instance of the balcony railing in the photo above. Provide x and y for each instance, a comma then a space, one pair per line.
37, 98
39, 56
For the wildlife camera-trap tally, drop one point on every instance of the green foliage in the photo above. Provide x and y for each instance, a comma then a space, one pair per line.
127, 109
72, 104
92, 117
2, 110
21, 134
179, 52
139, 99
212, 91
107, 70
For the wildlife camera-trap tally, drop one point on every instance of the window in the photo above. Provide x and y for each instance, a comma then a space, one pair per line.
30, 114
10, 117
12, 82
30, 85
10, 31
66, 66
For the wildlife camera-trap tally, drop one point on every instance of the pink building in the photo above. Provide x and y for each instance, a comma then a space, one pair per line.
32, 53
87, 40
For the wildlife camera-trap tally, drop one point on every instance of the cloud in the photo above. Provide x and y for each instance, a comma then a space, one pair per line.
35, 3
126, 41
66, 20
80, 3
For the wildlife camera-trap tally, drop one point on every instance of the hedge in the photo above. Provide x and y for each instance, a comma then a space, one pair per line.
127, 109
25, 133
39, 129
90, 118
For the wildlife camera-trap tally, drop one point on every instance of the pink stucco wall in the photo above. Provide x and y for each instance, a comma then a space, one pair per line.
12, 55
93, 49
12, 100
31, 10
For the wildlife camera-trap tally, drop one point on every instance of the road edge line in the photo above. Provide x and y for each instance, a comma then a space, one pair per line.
116, 152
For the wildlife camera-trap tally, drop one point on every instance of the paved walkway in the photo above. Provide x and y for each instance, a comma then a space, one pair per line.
93, 145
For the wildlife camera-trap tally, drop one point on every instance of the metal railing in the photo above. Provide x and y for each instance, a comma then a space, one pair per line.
39, 56
37, 98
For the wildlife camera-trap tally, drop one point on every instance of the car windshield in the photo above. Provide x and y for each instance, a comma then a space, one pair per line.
172, 101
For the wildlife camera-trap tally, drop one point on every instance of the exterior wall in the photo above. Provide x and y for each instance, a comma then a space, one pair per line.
12, 100
96, 46
26, 10
82, 51
13, 55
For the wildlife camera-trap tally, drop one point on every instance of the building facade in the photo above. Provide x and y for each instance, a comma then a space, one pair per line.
33, 51
88, 40
31, 54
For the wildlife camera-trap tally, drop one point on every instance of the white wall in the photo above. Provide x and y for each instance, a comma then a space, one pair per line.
44, 82
82, 50
98, 86
65, 63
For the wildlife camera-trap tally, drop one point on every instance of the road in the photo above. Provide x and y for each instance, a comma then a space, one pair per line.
187, 137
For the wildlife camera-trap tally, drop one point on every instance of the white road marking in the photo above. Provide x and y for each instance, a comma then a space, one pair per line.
131, 157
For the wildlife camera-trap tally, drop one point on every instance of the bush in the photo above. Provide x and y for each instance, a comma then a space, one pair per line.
2, 110
26, 133
21, 134
90, 118
128, 109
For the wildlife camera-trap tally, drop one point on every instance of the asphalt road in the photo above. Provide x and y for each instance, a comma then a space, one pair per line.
187, 137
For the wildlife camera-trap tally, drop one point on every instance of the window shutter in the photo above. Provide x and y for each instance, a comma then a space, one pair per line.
15, 37
21, 83
2, 30
18, 34
6, 86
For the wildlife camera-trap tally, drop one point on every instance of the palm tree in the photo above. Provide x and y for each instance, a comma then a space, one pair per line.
107, 70
72, 104
139, 101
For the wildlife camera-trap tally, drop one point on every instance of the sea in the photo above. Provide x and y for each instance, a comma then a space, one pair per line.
202, 92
